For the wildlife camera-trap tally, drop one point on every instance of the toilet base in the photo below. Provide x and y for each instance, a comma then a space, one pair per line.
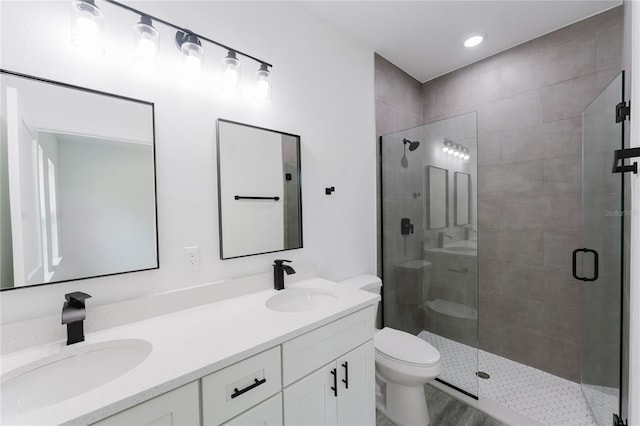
403, 405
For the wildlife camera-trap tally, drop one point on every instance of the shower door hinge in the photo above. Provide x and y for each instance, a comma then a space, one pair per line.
623, 111
619, 156
617, 421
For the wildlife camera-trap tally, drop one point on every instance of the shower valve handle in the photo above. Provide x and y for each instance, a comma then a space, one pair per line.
406, 227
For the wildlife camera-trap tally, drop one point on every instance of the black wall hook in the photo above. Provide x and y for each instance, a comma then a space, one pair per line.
329, 190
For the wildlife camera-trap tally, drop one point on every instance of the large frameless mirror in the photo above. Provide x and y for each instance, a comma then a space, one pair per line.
259, 194
77, 183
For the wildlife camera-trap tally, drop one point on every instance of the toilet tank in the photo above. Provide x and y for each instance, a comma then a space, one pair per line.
412, 281
369, 283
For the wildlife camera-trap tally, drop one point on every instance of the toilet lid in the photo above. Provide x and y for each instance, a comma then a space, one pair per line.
405, 347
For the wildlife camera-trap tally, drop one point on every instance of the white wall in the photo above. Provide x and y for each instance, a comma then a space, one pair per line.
323, 90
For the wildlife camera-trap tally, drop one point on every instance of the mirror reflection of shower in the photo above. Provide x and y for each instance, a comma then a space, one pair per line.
413, 145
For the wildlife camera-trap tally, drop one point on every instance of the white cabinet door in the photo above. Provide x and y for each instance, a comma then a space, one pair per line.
356, 387
179, 407
268, 413
311, 401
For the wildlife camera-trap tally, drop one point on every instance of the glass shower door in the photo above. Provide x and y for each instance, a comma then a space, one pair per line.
429, 191
602, 222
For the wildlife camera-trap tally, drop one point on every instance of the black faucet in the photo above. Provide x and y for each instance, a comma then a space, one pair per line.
278, 273
73, 314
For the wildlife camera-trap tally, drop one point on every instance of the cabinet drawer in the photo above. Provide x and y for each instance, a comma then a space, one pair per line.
234, 389
268, 413
304, 354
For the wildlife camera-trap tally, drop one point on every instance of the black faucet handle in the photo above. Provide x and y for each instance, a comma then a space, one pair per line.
77, 298
278, 262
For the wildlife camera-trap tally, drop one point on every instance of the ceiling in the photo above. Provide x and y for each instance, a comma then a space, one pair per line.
424, 38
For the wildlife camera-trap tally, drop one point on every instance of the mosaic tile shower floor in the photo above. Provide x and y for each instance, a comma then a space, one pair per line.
548, 399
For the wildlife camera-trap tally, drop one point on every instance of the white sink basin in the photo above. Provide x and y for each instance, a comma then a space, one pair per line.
300, 299
74, 370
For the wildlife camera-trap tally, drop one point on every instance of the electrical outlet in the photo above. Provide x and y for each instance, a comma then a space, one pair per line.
192, 258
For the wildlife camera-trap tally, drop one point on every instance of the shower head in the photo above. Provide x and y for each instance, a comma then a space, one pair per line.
413, 145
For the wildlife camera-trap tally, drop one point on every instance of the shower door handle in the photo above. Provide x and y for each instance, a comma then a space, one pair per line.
575, 264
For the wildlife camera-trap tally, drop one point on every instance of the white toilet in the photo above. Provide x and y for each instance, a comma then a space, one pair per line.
404, 364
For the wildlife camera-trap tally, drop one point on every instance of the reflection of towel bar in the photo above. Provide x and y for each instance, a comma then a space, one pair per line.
459, 271
242, 197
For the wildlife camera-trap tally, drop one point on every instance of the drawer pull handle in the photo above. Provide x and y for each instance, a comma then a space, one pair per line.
346, 374
334, 388
256, 383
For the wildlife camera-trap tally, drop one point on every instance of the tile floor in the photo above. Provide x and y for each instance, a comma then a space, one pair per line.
546, 398
446, 410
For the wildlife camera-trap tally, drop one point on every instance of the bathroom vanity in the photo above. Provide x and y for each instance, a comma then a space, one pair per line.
294, 356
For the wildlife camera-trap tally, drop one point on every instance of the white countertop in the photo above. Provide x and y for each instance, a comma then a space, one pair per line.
187, 345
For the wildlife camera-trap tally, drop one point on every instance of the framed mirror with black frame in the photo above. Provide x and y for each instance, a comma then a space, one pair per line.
77, 183
259, 190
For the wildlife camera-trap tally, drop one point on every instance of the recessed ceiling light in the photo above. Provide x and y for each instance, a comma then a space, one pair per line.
473, 40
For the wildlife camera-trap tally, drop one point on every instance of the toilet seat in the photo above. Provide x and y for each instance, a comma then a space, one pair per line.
404, 348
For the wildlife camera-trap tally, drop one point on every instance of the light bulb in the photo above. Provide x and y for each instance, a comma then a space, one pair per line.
192, 65
193, 54
85, 26
262, 90
466, 157
456, 154
445, 149
147, 48
230, 78
263, 83
450, 150
231, 71
147, 39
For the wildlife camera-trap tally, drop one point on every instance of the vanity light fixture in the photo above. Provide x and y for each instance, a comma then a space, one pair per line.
474, 40
191, 48
86, 25
86, 22
147, 42
230, 71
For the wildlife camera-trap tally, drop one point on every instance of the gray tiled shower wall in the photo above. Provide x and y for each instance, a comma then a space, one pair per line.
529, 101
